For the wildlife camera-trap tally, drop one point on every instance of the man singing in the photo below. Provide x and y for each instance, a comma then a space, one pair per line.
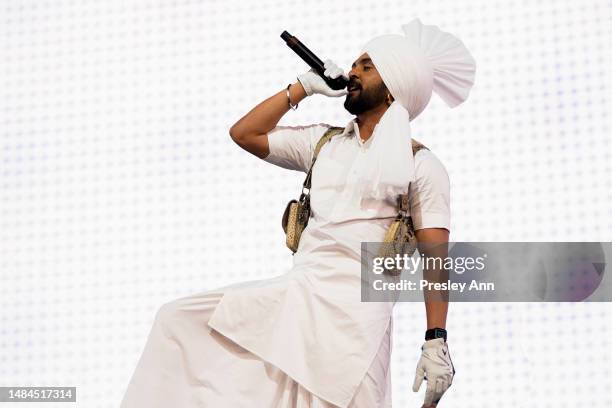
305, 338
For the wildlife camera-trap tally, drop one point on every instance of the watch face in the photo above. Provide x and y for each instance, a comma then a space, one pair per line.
435, 334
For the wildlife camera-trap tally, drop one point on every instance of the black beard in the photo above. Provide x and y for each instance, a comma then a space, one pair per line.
366, 100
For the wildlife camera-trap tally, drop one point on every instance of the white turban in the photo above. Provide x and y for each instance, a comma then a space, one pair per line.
413, 65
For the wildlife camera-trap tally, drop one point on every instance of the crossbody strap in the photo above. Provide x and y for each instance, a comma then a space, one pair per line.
329, 133
403, 204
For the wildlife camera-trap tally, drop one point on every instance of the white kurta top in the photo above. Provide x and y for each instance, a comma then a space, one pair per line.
310, 322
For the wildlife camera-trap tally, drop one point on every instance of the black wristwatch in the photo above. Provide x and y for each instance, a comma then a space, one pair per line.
435, 333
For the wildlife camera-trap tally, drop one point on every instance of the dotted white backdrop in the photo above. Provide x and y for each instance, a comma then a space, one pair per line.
121, 188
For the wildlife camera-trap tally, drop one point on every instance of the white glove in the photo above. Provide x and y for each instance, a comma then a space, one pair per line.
436, 367
313, 83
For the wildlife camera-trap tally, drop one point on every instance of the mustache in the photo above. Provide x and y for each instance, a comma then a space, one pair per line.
353, 84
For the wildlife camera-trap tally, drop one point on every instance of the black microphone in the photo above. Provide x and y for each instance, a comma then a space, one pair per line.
311, 59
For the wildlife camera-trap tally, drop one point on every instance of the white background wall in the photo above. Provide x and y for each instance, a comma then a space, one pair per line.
121, 188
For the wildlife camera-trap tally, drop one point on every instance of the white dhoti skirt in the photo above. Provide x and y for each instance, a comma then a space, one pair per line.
188, 364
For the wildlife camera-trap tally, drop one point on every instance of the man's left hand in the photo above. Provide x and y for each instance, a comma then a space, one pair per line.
436, 367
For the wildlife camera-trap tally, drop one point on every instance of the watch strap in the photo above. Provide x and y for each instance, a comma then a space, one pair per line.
435, 333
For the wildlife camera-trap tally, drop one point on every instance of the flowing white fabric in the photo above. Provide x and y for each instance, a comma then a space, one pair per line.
186, 364
412, 66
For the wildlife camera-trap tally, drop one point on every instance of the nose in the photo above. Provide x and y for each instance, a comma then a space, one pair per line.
353, 78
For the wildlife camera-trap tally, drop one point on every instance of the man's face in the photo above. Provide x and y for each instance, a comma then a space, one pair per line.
370, 89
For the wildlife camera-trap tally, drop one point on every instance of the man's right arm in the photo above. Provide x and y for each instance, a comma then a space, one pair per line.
250, 132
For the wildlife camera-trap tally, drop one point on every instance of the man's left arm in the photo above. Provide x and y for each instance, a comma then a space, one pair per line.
434, 243
435, 364
430, 210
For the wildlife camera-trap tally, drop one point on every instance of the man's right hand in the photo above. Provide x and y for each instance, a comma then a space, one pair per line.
314, 84
250, 132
